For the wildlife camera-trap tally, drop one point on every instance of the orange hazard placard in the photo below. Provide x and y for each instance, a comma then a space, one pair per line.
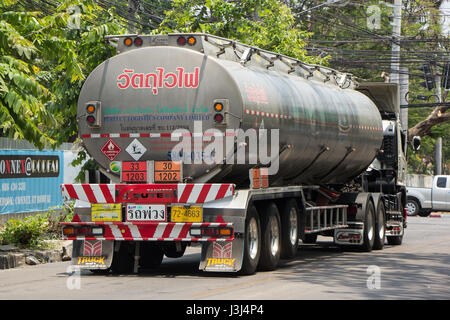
167, 171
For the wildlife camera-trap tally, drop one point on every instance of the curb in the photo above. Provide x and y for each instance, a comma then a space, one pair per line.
439, 215
14, 257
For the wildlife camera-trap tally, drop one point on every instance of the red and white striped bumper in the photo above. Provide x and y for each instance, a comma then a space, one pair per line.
152, 231
172, 193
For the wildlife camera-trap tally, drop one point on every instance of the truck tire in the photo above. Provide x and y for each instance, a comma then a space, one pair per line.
252, 242
289, 229
380, 226
151, 255
310, 238
412, 207
424, 213
270, 237
170, 249
395, 240
369, 227
123, 259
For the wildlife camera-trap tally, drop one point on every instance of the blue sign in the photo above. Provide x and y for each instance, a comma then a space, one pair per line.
30, 180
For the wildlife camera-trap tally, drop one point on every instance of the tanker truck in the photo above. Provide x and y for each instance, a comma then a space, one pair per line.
182, 126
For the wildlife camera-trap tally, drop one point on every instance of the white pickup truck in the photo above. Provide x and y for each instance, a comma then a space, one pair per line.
423, 201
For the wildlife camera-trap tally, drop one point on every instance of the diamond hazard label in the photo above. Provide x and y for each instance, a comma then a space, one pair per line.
136, 149
111, 150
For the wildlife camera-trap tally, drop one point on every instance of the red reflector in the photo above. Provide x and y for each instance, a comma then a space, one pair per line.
138, 42
218, 118
181, 41
90, 119
83, 230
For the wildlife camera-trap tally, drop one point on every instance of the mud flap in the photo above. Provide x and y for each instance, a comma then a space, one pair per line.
222, 256
92, 254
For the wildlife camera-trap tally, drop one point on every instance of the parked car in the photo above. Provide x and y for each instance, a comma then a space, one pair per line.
423, 201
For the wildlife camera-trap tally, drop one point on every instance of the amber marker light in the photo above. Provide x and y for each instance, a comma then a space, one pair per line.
218, 107
68, 231
191, 41
225, 232
90, 108
128, 42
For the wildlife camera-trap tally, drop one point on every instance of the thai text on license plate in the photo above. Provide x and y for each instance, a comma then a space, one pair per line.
146, 212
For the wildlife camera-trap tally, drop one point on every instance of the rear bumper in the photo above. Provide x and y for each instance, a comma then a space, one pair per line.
162, 231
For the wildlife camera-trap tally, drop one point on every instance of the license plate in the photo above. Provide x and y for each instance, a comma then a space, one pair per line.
146, 212
106, 212
186, 214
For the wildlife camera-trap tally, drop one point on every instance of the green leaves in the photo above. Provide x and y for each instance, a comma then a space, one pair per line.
268, 24
44, 58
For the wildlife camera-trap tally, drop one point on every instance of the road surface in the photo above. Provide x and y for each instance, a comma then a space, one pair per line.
419, 269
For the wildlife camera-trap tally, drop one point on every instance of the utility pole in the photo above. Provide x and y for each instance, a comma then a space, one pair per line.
404, 88
438, 165
395, 60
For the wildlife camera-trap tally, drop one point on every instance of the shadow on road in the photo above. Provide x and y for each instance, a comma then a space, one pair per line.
341, 270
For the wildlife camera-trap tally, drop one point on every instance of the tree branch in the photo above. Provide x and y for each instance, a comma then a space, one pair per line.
423, 128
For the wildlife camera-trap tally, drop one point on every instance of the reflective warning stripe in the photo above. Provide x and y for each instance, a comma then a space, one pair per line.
186, 192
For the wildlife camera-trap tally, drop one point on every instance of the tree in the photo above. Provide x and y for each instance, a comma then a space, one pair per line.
267, 24
46, 51
358, 37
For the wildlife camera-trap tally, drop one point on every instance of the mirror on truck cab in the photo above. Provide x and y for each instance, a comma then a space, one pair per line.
416, 143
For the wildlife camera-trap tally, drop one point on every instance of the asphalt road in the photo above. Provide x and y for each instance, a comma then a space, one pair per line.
418, 269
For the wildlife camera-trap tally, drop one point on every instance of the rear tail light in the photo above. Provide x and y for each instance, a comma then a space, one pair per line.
218, 118
71, 231
93, 116
212, 232
181, 41
90, 119
138, 42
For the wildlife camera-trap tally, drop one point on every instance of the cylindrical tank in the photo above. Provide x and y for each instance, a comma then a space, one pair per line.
327, 135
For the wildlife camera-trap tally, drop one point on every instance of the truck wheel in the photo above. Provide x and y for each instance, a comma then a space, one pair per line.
174, 249
380, 227
151, 255
289, 229
424, 213
310, 238
412, 207
252, 242
395, 240
369, 227
123, 259
270, 237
